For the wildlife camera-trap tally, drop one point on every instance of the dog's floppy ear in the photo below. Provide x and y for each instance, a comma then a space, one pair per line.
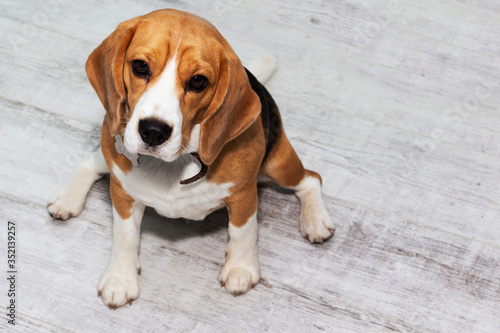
234, 107
105, 72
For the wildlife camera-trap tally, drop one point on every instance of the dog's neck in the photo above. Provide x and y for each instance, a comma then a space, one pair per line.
134, 159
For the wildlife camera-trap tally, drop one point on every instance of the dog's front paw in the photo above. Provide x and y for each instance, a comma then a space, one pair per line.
118, 287
315, 223
238, 279
67, 202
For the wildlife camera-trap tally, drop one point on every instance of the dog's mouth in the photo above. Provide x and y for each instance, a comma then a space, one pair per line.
133, 155
157, 152
132, 146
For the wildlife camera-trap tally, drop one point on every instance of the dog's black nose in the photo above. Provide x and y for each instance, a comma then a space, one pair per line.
154, 132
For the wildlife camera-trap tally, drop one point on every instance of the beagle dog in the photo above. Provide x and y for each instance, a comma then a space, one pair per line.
188, 130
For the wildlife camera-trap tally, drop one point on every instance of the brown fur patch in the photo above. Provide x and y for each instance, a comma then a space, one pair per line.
234, 107
122, 202
239, 162
111, 156
104, 69
242, 205
283, 165
240, 159
316, 175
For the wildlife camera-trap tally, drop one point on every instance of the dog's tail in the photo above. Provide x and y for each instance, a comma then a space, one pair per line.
263, 68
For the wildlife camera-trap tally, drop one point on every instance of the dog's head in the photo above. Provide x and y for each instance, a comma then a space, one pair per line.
171, 84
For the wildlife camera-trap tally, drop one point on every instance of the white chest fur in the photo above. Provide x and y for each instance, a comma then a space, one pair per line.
156, 184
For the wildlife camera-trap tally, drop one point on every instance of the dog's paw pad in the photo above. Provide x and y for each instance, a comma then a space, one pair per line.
316, 225
66, 203
239, 280
117, 290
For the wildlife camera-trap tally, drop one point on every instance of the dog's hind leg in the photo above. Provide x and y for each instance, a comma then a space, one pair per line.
285, 168
69, 200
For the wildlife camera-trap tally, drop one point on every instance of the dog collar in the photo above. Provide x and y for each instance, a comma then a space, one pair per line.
199, 175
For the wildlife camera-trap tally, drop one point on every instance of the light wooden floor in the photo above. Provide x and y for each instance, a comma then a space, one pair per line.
395, 103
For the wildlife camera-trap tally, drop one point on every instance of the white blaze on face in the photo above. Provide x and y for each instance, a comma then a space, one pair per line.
159, 102
194, 140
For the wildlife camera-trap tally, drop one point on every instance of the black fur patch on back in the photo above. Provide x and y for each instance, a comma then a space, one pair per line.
271, 119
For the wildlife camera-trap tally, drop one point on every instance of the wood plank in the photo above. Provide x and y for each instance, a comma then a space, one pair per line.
444, 187
27, 324
401, 79
482, 4
467, 25
42, 77
405, 134
340, 271
402, 269
460, 114
356, 161
178, 291
379, 262
415, 265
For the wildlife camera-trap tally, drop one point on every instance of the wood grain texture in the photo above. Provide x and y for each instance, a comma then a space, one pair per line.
398, 112
177, 296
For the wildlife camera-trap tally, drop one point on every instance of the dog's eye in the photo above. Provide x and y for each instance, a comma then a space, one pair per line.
140, 69
197, 83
